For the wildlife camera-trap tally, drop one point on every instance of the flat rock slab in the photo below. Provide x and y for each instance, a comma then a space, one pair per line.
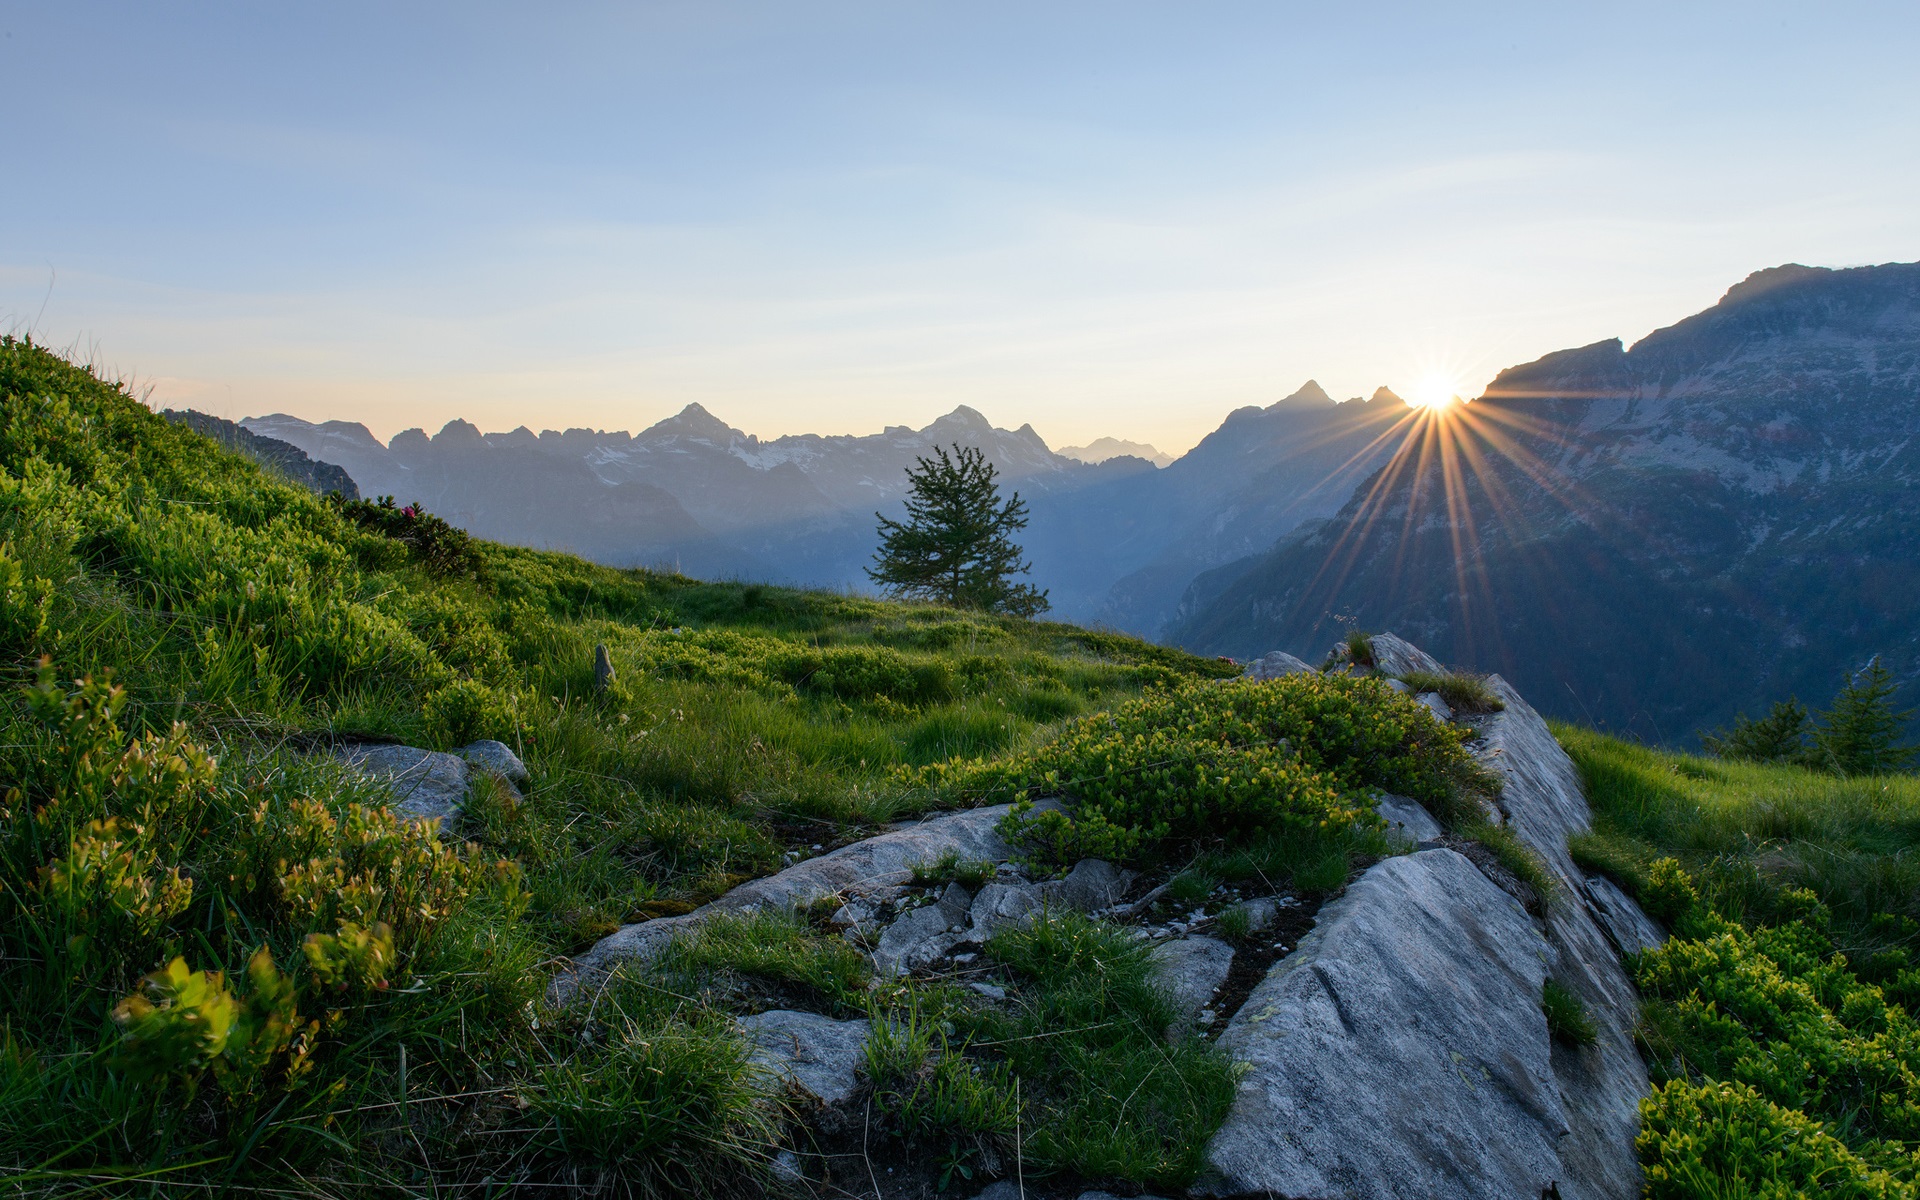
887, 858
818, 1055
427, 785
1399, 1052
1192, 970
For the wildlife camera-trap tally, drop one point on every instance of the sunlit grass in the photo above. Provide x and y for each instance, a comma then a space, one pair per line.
1854, 842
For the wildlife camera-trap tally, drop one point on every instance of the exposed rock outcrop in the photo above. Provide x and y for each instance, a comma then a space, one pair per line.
427, 785
1275, 664
1400, 1051
888, 858
431, 785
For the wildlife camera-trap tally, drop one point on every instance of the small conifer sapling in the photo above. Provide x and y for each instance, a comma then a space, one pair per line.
956, 545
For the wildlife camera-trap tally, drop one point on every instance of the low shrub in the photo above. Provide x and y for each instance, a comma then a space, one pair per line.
1230, 759
1815, 1053
430, 541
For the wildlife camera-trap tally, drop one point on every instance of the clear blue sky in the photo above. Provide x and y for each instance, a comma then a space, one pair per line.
1103, 218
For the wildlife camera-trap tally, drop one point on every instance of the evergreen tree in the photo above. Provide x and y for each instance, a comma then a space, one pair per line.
955, 545
1860, 734
1780, 736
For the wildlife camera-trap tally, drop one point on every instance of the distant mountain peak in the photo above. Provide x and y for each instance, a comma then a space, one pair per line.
458, 432
1101, 449
693, 421
1384, 393
962, 417
1309, 394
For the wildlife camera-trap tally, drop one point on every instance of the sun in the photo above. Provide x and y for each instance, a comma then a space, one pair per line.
1435, 391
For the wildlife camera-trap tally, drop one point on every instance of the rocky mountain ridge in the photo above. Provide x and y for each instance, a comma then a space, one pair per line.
1648, 538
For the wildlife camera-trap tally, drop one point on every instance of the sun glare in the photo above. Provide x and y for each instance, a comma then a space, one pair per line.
1434, 391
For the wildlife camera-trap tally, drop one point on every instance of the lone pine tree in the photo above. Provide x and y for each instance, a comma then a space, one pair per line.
1860, 734
955, 546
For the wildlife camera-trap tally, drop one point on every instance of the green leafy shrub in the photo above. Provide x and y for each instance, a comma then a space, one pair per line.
1724, 1139
1232, 759
436, 545
464, 711
1777, 1011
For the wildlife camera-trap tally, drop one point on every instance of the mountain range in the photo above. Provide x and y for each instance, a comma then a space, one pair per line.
1650, 538
1116, 541
1647, 538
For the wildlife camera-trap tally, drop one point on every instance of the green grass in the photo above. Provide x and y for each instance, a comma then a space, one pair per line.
747, 721
1777, 1018
1751, 831
1102, 1091
1463, 693
1566, 1013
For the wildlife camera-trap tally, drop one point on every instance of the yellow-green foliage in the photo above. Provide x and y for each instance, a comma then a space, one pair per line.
1720, 1140
1777, 1017
178, 841
1226, 759
1778, 1009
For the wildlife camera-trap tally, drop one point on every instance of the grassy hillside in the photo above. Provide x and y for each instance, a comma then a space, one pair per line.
228, 965
1778, 1021
206, 628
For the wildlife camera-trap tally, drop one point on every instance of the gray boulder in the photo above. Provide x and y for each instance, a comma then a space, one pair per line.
603, 674
1437, 706
1400, 1051
496, 758
1192, 970
817, 1055
924, 934
1394, 655
1275, 664
1000, 906
1091, 886
427, 785
886, 859
1408, 818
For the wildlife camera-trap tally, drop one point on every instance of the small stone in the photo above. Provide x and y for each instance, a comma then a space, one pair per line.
602, 668
786, 1167
989, 990
1259, 912
820, 1056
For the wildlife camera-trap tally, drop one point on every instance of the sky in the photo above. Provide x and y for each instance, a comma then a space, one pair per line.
1113, 218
